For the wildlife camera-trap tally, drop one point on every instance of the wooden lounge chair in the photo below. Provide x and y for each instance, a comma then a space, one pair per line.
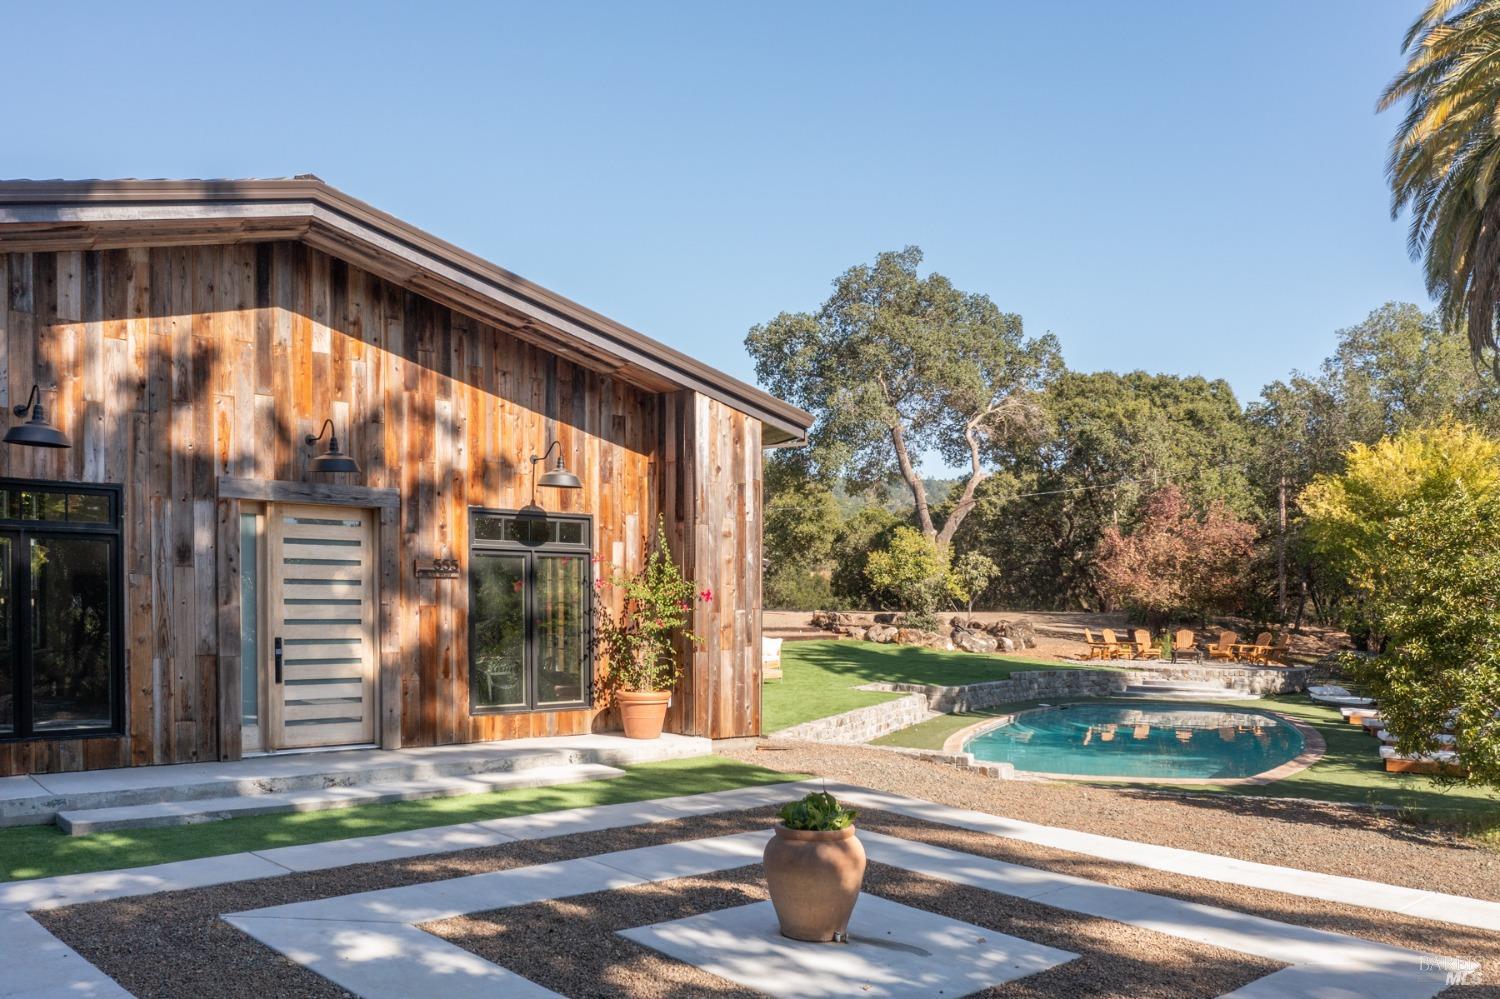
1226, 648
1442, 761
1141, 646
1099, 649
1256, 651
1121, 649
1278, 652
1185, 643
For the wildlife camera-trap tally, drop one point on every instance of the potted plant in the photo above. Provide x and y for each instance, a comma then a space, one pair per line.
814, 867
656, 603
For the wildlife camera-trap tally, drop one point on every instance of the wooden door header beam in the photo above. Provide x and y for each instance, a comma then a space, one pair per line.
94, 214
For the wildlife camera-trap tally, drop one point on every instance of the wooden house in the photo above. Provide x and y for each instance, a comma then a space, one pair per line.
191, 579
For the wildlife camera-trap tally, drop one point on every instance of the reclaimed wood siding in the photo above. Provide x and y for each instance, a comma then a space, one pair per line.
711, 498
173, 367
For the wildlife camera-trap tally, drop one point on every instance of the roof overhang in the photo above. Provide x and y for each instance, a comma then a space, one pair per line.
38, 216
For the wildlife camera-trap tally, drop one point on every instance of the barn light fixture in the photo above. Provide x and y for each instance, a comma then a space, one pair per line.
334, 459
36, 432
559, 477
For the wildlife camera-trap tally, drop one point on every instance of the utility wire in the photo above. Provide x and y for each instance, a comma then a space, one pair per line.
1081, 489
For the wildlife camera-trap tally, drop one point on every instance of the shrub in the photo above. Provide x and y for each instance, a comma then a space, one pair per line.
1414, 522
911, 573
1174, 561
657, 603
818, 812
798, 589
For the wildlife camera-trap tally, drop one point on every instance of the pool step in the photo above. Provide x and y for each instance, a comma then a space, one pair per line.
1184, 690
82, 822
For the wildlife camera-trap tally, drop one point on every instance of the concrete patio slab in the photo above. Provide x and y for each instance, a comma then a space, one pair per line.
77, 889
85, 822
916, 954
389, 960
45, 966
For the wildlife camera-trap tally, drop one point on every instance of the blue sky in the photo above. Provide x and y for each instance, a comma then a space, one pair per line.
1192, 187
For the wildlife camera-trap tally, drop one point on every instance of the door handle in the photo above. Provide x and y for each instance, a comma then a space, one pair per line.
278, 658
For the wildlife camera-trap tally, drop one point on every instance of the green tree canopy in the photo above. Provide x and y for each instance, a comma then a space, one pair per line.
1414, 524
897, 366
1111, 438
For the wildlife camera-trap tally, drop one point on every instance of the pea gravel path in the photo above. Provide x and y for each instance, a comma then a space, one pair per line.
571, 946
175, 945
1308, 835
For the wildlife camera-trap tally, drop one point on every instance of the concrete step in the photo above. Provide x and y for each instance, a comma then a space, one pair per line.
180, 813
37, 799
1173, 693
1161, 681
801, 634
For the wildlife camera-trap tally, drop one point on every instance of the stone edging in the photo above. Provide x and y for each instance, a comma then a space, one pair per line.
1313, 749
862, 724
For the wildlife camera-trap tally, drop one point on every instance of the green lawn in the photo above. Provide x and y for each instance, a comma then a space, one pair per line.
42, 851
819, 677
1349, 772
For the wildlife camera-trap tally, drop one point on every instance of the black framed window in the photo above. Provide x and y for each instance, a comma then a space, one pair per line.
61, 652
530, 590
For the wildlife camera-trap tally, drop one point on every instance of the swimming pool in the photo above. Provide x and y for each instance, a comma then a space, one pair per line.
1147, 740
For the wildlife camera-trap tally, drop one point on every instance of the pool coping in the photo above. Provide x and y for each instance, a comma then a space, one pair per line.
1313, 750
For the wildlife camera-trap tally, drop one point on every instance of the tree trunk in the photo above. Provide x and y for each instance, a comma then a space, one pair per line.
1281, 553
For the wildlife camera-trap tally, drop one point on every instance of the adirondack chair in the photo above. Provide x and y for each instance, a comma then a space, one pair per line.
1277, 654
1185, 643
1141, 646
1226, 647
1118, 648
1098, 648
1257, 652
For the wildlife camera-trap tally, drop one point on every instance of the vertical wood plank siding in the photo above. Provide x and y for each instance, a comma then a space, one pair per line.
173, 367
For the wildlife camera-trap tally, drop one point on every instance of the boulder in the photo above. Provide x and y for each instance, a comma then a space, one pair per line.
855, 632
888, 617
1007, 644
829, 620
916, 636
975, 641
882, 633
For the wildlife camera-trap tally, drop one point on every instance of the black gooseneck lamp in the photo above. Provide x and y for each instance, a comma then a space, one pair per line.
333, 459
558, 477
37, 431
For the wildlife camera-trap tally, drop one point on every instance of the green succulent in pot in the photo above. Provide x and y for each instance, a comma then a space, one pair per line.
818, 812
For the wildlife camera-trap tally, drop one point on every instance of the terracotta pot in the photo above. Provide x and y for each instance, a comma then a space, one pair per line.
642, 712
814, 878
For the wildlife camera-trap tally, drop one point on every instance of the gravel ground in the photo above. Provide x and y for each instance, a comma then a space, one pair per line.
175, 945
1307, 835
571, 947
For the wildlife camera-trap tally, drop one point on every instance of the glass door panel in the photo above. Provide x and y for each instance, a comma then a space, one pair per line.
561, 636
7, 645
498, 614
70, 632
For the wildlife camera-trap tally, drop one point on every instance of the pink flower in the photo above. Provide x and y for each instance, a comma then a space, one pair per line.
706, 595
684, 605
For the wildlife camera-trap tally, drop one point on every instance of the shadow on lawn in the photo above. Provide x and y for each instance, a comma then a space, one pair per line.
868, 662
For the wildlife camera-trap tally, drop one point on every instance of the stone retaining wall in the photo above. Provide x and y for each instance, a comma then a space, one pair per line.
1028, 686
862, 724
1249, 679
